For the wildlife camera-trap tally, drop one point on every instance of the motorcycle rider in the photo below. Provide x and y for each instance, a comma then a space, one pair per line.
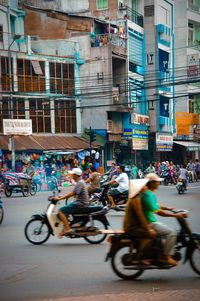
135, 223
81, 199
183, 175
123, 184
94, 180
150, 208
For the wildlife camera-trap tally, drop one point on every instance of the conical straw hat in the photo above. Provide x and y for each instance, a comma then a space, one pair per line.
135, 186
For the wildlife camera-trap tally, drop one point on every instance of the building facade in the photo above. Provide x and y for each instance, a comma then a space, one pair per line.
159, 31
187, 70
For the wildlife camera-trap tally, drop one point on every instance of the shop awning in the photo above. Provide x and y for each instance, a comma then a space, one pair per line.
189, 145
46, 142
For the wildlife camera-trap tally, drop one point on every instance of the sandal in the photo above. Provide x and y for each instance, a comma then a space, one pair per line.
66, 232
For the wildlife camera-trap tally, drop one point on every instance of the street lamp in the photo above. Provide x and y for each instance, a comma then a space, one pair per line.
11, 139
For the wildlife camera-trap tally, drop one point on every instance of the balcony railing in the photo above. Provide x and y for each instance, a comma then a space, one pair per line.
134, 16
108, 39
194, 7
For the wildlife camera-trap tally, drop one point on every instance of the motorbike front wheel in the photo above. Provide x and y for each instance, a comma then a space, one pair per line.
195, 260
121, 265
37, 231
99, 237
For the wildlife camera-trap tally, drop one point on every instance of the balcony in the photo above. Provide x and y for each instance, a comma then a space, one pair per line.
193, 7
117, 42
132, 15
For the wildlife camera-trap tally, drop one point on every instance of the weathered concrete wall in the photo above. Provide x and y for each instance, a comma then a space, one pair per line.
52, 25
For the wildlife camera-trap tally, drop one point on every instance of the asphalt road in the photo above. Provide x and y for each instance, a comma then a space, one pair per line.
67, 268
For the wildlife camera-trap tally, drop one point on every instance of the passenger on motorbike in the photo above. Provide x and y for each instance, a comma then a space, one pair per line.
81, 199
135, 223
113, 171
151, 207
94, 180
123, 184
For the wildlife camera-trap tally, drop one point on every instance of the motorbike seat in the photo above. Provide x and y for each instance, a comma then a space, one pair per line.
90, 209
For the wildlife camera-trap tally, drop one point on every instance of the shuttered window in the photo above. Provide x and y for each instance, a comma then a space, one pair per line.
135, 49
102, 4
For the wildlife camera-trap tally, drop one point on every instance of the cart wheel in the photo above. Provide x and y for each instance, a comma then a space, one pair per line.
8, 191
25, 190
33, 189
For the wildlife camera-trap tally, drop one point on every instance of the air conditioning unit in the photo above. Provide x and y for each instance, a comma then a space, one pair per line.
100, 75
34, 38
109, 126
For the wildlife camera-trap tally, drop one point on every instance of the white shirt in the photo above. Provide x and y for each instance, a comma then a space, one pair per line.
123, 182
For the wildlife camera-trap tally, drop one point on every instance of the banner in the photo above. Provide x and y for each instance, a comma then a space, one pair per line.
140, 140
17, 126
164, 142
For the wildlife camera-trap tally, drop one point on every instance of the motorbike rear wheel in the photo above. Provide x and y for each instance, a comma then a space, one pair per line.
121, 267
99, 225
195, 260
36, 231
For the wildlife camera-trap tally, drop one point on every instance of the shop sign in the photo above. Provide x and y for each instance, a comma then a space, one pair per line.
127, 133
139, 119
140, 140
193, 65
164, 142
184, 118
17, 126
114, 137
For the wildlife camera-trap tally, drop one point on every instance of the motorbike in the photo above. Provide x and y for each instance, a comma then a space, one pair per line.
85, 224
1, 210
123, 252
169, 178
181, 187
52, 182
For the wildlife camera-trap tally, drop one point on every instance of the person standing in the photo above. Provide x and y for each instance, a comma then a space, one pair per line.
134, 171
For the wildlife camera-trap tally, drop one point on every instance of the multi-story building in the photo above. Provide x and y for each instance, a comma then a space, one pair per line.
159, 33
111, 85
38, 81
187, 71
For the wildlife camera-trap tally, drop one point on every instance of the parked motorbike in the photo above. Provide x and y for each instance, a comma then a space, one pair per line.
181, 186
123, 252
1, 210
85, 224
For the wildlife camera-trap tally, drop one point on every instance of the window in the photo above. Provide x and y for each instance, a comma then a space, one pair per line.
18, 109
102, 4
31, 76
65, 116
1, 33
61, 78
191, 104
40, 115
191, 35
164, 16
4, 112
5, 81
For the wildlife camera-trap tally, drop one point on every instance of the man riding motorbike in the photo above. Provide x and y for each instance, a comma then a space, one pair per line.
81, 199
151, 207
123, 184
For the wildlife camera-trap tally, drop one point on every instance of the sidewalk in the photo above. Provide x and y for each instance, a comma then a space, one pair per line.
155, 295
